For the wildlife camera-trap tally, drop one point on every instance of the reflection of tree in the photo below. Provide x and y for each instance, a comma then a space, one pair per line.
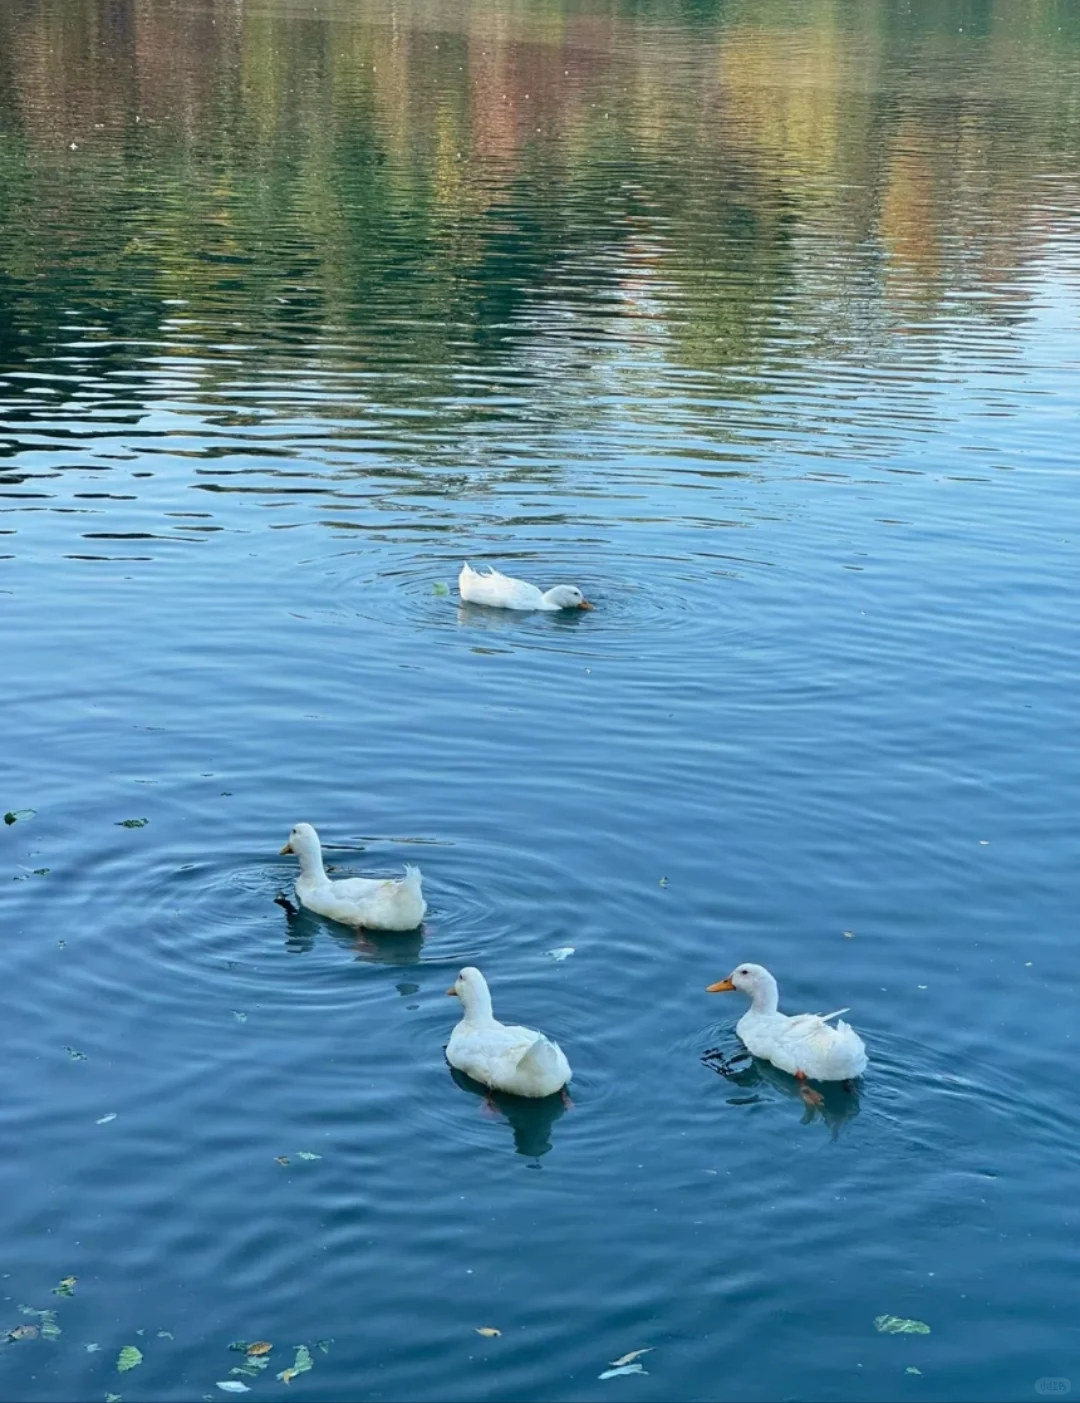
515, 189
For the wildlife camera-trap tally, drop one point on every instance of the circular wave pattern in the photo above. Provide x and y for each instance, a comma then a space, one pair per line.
636, 597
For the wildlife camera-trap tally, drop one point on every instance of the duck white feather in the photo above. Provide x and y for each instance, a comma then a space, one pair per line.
504, 592
371, 902
502, 1055
805, 1045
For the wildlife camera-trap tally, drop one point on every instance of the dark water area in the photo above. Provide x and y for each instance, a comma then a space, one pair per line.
761, 324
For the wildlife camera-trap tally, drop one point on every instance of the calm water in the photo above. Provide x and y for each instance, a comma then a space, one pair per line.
760, 322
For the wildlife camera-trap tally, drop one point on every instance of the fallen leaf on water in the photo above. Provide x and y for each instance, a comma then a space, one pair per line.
561, 952
92, 1349
232, 1386
663, 881
104, 1120
75, 1054
897, 1325
42, 871
911, 1369
67, 1286
240, 1017
488, 1331
130, 1357
849, 935
324, 1345
23, 1332
300, 1365
631, 1356
240, 1346
165, 1335
48, 1329
306, 1154
281, 1159
132, 823
625, 1369
249, 1371
260, 1347
113, 1398
441, 588
14, 815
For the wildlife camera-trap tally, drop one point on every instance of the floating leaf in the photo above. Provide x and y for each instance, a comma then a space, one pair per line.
240, 1017
42, 871
897, 1325
249, 1371
67, 1286
623, 1369
488, 1331
306, 1154
232, 1386
631, 1356
324, 1345
132, 823
281, 1159
113, 1398
300, 1365
911, 1369
165, 1335
23, 1332
441, 588
561, 952
14, 815
48, 1329
92, 1349
260, 1347
240, 1346
105, 1119
849, 935
75, 1054
663, 881
130, 1357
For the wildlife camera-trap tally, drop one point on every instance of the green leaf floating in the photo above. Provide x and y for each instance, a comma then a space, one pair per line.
129, 1358
440, 588
897, 1325
300, 1365
132, 823
14, 815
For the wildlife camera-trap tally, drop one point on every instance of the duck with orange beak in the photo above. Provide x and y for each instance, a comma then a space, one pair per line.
805, 1045
502, 1056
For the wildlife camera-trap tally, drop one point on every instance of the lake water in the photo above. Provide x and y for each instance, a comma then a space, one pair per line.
761, 323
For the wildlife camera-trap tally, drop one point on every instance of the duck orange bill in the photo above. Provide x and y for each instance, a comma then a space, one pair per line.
286, 849
724, 987
586, 605
452, 992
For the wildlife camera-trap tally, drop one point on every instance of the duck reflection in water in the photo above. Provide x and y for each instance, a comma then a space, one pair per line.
475, 616
377, 947
834, 1102
531, 1119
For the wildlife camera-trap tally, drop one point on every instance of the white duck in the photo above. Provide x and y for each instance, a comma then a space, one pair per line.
804, 1045
500, 1055
373, 903
504, 592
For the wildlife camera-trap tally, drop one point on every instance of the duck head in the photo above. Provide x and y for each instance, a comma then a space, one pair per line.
304, 842
754, 980
471, 988
567, 597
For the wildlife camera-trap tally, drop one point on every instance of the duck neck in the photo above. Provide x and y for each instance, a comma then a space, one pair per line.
311, 864
766, 998
476, 1002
